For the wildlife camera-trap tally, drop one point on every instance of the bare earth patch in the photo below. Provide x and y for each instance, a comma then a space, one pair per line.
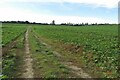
28, 60
76, 70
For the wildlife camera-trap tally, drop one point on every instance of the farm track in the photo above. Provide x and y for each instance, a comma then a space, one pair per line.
28, 66
14, 52
27, 59
11, 44
76, 70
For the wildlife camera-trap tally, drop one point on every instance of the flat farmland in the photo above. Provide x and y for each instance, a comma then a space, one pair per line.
57, 51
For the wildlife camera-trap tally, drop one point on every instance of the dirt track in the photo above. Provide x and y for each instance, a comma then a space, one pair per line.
28, 66
28, 60
11, 44
76, 70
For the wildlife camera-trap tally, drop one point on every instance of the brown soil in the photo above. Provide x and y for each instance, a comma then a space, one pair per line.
28, 60
76, 70
10, 45
73, 48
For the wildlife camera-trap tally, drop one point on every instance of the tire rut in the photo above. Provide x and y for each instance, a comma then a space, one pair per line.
10, 45
76, 70
28, 60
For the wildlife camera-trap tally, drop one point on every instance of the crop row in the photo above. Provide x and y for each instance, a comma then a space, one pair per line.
11, 31
99, 41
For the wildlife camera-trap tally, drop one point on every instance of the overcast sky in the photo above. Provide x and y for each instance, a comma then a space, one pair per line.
62, 11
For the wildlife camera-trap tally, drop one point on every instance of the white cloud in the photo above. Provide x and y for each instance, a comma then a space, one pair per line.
96, 3
7, 14
11, 13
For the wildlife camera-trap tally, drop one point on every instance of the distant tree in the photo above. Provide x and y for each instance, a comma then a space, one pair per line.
44, 23
86, 23
53, 22
27, 22
34, 22
82, 24
63, 23
76, 24
96, 24
69, 24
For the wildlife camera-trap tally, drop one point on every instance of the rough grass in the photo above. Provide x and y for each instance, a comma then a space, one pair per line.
46, 64
13, 60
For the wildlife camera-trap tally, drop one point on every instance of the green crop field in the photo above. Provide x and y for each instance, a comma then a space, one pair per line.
11, 31
59, 51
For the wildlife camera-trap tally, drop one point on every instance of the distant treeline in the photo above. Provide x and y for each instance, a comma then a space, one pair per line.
53, 23
82, 24
23, 22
